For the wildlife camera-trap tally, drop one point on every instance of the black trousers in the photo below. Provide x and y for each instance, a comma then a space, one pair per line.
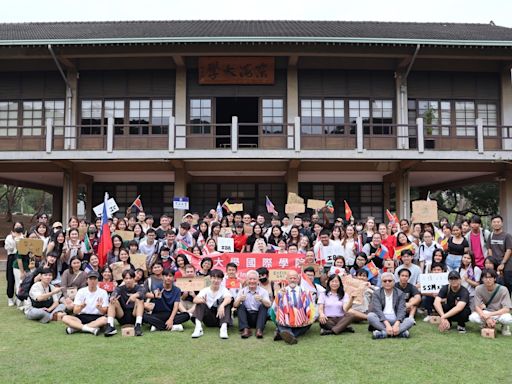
461, 318
209, 315
507, 279
252, 319
9, 276
158, 319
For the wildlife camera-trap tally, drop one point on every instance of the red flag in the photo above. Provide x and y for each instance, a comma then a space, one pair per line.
138, 203
348, 211
105, 244
391, 218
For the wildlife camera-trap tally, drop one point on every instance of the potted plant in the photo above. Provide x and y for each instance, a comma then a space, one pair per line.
428, 117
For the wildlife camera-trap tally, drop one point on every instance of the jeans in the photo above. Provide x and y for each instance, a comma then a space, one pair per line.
453, 262
375, 322
41, 315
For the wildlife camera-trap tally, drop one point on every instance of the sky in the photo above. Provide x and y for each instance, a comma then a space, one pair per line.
468, 11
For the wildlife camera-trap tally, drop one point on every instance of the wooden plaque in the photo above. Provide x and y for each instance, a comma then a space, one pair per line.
236, 70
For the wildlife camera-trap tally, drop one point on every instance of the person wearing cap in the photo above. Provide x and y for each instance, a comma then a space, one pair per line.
56, 227
126, 305
90, 307
388, 314
492, 304
452, 304
44, 299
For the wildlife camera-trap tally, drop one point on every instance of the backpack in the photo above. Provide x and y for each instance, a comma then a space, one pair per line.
25, 286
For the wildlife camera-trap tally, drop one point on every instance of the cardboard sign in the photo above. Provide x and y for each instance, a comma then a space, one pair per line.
424, 211
26, 246
488, 333
278, 274
225, 244
293, 198
111, 208
432, 282
232, 283
294, 208
225, 232
117, 270
138, 260
128, 330
180, 203
82, 232
125, 235
354, 287
316, 204
190, 283
236, 208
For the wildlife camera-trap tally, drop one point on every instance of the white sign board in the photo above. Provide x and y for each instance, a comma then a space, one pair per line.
180, 203
432, 282
225, 244
111, 208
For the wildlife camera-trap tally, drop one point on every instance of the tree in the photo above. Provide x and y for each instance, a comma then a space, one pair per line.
12, 195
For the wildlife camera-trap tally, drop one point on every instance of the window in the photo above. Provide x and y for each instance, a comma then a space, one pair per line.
54, 109
323, 116
8, 118
465, 118
91, 118
32, 118
359, 108
115, 109
161, 111
139, 117
488, 113
382, 117
272, 114
430, 111
200, 116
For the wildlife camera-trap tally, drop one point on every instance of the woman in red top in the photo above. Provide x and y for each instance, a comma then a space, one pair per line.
240, 239
389, 241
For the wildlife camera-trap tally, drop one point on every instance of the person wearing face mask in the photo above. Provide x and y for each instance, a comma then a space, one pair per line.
265, 283
10, 248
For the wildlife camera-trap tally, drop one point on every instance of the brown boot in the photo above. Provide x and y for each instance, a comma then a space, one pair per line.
246, 333
259, 334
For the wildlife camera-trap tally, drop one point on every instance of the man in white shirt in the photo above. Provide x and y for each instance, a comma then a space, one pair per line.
149, 246
90, 307
213, 306
415, 271
44, 300
252, 302
326, 249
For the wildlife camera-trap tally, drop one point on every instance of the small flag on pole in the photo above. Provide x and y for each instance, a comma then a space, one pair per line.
225, 205
105, 244
329, 206
219, 212
270, 207
137, 203
348, 211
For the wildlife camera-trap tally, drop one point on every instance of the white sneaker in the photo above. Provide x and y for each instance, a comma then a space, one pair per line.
505, 330
10, 302
223, 334
177, 328
426, 319
70, 330
152, 329
198, 332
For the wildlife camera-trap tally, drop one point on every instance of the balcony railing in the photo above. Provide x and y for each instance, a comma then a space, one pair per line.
241, 136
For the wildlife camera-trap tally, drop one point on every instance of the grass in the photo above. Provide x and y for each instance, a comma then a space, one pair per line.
36, 353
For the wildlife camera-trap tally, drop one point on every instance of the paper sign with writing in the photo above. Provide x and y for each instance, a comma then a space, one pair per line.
225, 244
117, 270
293, 198
432, 282
111, 208
236, 70
138, 260
424, 211
236, 207
294, 208
125, 235
316, 204
278, 274
190, 283
354, 287
26, 246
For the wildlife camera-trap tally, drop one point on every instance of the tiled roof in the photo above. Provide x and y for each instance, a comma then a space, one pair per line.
213, 30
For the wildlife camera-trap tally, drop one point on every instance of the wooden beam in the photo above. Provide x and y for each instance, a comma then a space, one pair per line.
178, 60
64, 164
293, 60
29, 184
493, 177
294, 164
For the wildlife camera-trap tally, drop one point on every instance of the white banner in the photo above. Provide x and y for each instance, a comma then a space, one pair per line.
111, 208
432, 282
225, 244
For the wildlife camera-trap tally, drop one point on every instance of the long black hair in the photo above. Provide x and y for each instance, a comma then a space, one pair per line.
340, 292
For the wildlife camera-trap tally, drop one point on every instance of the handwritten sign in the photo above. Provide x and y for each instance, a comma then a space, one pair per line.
138, 260
34, 246
188, 284
225, 244
236, 70
278, 274
354, 287
316, 204
294, 208
432, 282
293, 198
111, 208
117, 270
424, 211
125, 235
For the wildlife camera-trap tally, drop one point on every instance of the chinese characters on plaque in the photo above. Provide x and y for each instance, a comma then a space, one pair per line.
236, 70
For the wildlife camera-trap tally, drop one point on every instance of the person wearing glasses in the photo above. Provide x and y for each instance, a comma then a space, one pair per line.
387, 311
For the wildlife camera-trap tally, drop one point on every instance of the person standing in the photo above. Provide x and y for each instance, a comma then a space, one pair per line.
10, 248
500, 247
477, 239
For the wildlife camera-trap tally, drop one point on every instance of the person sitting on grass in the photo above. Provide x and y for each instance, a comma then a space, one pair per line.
388, 314
452, 304
126, 305
411, 294
414, 270
164, 314
153, 285
333, 307
294, 310
360, 311
44, 300
492, 304
213, 306
91, 304
427, 300
252, 302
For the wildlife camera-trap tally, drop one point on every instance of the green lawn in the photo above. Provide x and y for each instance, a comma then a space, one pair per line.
34, 353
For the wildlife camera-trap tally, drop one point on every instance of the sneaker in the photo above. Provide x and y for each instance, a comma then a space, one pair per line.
10, 302
223, 333
405, 334
70, 330
96, 331
152, 329
325, 332
505, 330
110, 331
177, 328
378, 335
461, 329
198, 332
138, 330
426, 319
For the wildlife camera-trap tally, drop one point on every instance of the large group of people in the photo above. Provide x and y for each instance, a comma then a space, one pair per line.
67, 282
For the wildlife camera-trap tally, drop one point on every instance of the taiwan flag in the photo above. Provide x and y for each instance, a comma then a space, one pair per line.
105, 244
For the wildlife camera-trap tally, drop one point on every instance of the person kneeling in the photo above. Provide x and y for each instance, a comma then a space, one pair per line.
126, 305
388, 314
213, 306
164, 315
452, 304
333, 307
90, 307
252, 302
